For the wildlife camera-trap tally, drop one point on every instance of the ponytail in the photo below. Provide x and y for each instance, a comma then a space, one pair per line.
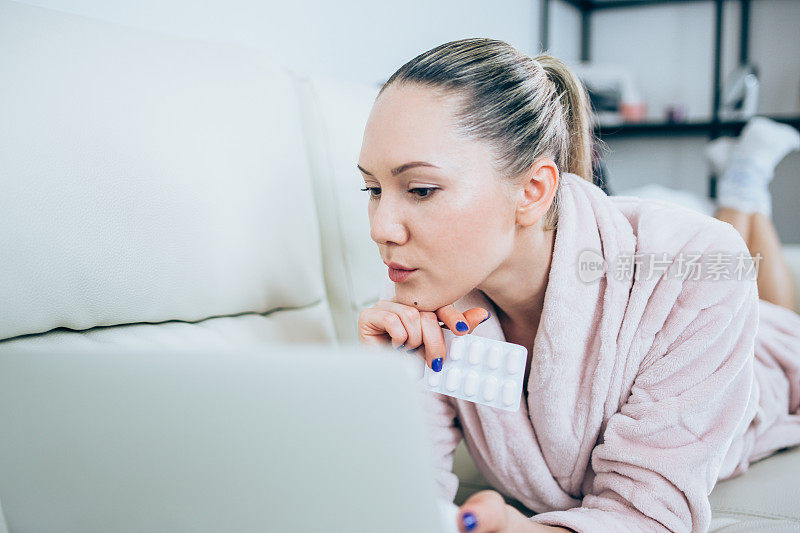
578, 115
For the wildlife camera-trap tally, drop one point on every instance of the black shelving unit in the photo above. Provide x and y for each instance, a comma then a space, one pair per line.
712, 128
655, 129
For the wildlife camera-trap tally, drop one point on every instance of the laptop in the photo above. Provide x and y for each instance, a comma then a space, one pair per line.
283, 437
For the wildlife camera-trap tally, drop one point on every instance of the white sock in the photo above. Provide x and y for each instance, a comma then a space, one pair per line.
766, 142
744, 187
744, 184
718, 152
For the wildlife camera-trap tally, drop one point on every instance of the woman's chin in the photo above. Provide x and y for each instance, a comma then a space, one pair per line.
415, 298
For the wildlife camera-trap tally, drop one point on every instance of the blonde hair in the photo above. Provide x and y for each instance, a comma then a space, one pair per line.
526, 108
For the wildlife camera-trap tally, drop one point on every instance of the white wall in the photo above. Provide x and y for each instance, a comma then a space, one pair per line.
360, 40
669, 47
565, 31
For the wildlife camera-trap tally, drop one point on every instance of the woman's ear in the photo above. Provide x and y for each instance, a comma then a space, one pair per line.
538, 190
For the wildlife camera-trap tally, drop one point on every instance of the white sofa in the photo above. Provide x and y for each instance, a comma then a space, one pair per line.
167, 192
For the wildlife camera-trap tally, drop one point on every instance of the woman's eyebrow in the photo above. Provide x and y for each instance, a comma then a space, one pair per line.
402, 168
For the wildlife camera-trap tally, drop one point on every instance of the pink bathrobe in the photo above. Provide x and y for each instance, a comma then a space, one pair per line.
644, 389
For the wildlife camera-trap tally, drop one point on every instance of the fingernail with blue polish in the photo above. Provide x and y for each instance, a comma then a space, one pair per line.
462, 326
436, 365
487, 318
469, 521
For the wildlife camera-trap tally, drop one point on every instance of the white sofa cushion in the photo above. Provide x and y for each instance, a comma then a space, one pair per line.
147, 179
336, 113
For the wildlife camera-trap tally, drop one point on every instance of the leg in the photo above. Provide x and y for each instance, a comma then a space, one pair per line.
738, 219
774, 279
748, 165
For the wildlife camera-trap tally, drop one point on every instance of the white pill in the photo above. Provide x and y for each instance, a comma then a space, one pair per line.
514, 362
509, 392
495, 355
471, 383
490, 388
476, 352
456, 349
434, 378
453, 379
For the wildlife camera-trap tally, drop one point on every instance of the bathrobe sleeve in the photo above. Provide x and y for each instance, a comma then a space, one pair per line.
444, 431
444, 435
659, 456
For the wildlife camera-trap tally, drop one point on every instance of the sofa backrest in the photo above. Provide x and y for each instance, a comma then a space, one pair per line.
336, 115
162, 191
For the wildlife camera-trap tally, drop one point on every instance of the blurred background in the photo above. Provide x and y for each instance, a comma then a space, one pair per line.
666, 76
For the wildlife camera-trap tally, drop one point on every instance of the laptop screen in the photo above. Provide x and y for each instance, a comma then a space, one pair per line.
284, 437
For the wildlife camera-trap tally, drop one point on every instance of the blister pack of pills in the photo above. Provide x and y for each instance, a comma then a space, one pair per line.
480, 370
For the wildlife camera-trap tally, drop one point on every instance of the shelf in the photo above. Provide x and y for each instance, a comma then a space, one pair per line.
596, 5
655, 129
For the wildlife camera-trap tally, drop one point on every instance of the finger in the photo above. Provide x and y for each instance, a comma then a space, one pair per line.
483, 512
375, 324
476, 316
409, 316
433, 339
376, 339
453, 319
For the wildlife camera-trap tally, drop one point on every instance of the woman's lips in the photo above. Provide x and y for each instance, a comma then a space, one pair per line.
399, 275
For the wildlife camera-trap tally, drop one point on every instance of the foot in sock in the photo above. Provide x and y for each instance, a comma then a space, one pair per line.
744, 184
718, 152
765, 142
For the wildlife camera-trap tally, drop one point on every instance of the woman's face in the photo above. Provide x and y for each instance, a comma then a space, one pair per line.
453, 218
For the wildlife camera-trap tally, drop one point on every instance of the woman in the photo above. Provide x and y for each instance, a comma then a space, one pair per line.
642, 389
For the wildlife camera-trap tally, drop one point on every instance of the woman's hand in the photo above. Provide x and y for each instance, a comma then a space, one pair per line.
487, 512
389, 322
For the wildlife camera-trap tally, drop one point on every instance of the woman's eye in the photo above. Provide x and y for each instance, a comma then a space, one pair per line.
420, 192
428, 189
371, 194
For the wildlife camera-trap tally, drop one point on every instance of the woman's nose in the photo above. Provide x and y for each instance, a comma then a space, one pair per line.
387, 226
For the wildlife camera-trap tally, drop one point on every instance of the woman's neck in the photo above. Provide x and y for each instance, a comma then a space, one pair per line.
518, 286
